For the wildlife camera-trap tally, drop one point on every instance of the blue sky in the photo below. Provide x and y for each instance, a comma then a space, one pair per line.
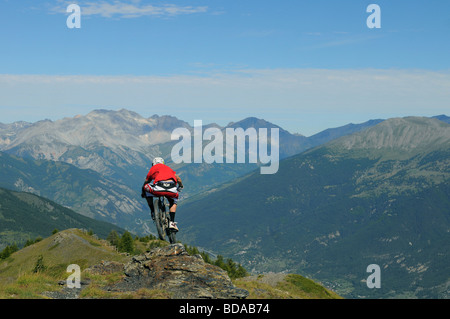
304, 65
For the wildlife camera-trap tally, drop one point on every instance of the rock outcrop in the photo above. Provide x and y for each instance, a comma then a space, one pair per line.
184, 276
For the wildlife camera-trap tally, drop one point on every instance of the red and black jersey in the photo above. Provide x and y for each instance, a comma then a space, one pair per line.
161, 172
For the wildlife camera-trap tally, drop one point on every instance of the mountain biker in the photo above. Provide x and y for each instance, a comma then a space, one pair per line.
161, 180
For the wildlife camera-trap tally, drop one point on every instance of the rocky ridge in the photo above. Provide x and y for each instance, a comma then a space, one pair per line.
170, 269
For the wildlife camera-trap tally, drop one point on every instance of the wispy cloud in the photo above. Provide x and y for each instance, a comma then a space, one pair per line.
128, 9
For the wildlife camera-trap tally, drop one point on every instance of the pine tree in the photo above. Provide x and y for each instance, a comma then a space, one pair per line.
39, 265
29, 242
220, 263
113, 238
241, 272
206, 258
126, 243
8, 250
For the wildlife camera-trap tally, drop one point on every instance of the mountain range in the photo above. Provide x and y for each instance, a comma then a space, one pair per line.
82, 190
344, 198
379, 196
95, 164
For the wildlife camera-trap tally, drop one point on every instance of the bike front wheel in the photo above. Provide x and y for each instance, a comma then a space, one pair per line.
160, 218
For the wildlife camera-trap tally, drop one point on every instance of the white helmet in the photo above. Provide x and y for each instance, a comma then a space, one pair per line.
158, 160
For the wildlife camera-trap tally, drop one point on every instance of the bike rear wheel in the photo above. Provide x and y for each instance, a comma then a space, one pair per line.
172, 236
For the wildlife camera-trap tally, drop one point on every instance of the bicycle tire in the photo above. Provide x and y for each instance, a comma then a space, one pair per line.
172, 236
159, 219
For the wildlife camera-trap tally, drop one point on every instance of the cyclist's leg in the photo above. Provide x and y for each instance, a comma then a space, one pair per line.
149, 197
172, 210
172, 207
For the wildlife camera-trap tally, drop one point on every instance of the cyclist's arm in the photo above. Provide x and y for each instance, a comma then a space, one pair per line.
143, 185
180, 183
143, 189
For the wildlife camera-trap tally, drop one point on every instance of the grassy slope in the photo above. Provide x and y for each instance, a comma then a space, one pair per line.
284, 286
72, 246
26, 216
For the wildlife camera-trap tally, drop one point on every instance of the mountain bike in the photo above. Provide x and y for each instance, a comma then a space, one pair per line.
162, 219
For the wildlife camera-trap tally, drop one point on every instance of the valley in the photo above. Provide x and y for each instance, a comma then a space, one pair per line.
345, 198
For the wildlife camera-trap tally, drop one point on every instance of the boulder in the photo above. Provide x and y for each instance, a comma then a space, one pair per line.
172, 269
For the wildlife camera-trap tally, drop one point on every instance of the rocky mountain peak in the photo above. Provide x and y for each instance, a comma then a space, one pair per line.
406, 135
